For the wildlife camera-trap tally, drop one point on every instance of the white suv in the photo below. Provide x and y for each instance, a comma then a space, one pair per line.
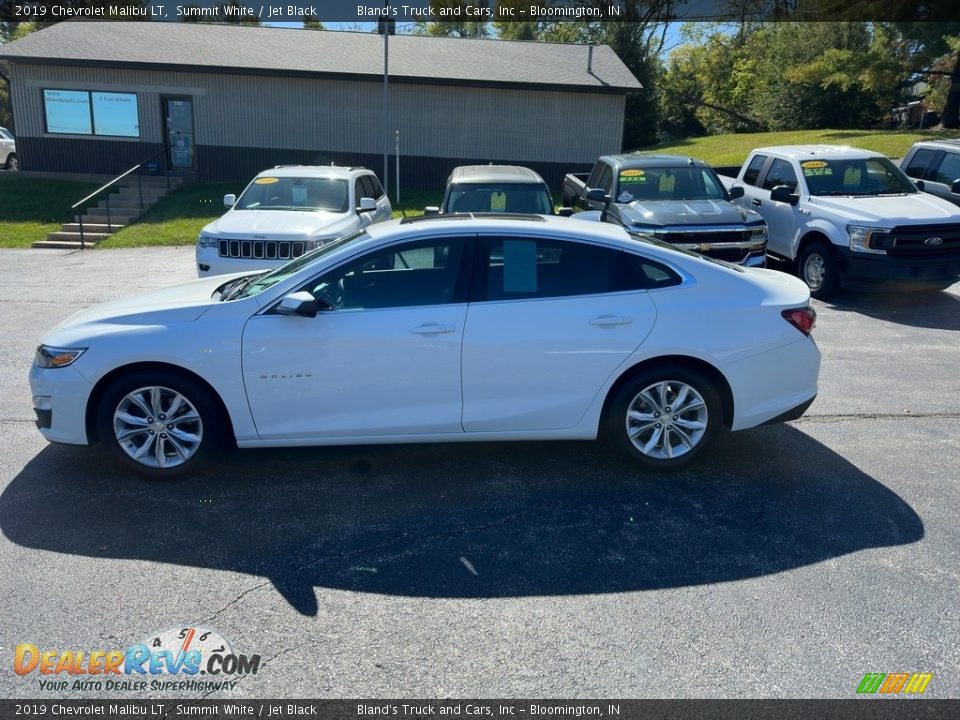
287, 211
8, 151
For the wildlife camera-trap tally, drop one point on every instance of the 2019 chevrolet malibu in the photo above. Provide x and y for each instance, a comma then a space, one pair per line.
450, 328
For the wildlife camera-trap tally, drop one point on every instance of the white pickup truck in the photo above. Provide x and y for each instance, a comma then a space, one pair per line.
850, 218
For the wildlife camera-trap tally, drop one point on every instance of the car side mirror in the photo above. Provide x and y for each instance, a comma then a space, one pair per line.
298, 303
955, 187
229, 200
431, 210
565, 212
597, 195
736, 192
367, 205
782, 193
921, 185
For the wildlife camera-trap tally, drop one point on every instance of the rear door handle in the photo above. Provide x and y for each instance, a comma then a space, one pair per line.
432, 329
756, 202
611, 320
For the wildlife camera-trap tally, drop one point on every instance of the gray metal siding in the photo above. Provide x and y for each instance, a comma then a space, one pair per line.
346, 116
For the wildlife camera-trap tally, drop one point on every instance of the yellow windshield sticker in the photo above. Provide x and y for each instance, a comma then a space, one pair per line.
813, 164
498, 201
266, 181
631, 173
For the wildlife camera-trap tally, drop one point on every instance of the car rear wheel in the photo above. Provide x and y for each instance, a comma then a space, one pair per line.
663, 418
818, 269
12, 162
161, 426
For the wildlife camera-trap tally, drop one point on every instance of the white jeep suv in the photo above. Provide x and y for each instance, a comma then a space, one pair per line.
286, 212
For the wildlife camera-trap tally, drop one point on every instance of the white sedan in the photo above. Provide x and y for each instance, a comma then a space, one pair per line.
438, 329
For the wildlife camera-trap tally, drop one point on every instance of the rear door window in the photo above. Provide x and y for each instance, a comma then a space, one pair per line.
919, 162
753, 169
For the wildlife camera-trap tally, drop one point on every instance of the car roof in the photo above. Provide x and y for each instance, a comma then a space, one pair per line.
946, 143
461, 223
652, 160
314, 171
797, 152
481, 174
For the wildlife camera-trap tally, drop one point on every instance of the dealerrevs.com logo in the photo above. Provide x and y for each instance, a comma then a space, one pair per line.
170, 660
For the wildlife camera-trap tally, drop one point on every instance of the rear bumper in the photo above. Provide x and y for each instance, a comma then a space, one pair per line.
858, 270
775, 385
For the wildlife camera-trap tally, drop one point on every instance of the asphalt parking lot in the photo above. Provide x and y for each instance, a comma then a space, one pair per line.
792, 561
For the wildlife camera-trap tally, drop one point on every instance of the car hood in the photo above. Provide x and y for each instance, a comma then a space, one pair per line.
889, 211
274, 224
663, 213
174, 304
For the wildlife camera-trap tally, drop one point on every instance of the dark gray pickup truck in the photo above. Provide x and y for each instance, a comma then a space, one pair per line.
678, 200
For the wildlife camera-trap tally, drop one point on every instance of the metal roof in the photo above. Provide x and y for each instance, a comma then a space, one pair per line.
358, 55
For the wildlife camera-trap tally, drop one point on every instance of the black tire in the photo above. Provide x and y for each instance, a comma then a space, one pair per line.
817, 267
12, 163
211, 424
628, 398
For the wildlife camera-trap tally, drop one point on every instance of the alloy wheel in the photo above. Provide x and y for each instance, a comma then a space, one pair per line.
157, 427
667, 419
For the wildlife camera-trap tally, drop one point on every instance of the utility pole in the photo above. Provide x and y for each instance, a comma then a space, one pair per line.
386, 26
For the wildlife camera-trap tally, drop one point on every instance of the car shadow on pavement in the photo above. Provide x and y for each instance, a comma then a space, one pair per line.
933, 310
468, 520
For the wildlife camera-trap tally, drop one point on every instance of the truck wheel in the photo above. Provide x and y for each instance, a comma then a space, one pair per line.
818, 269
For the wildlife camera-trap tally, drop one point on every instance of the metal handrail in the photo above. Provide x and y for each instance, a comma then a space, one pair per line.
118, 178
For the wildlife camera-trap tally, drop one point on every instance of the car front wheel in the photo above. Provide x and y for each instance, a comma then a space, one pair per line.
663, 419
160, 426
12, 163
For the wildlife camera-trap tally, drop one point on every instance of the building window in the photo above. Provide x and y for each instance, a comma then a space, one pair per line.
80, 112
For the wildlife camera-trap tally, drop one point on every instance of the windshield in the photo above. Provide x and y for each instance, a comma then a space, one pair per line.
668, 183
295, 193
523, 198
862, 176
5, 134
268, 280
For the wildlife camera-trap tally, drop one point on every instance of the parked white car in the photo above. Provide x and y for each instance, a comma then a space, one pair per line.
437, 330
8, 150
286, 212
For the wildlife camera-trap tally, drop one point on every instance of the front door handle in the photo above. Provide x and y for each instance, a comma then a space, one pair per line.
756, 202
432, 329
611, 320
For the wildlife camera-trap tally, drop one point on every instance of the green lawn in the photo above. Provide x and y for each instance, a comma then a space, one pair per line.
32, 207
175, 220
733, 149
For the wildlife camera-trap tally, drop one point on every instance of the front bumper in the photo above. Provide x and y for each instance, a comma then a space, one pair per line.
63, 418
860, 270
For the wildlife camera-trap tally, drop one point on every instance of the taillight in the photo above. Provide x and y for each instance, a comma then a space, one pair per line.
803, 319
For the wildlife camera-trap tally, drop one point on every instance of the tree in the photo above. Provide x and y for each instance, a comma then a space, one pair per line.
310, 22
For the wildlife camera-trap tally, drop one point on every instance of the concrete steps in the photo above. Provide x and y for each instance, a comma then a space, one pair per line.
124, 208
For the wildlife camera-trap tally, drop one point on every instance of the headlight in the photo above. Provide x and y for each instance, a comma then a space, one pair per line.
758, 231
207, 241
860, 238
54, 357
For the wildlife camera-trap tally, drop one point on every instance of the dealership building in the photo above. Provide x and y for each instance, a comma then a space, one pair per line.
222, 102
